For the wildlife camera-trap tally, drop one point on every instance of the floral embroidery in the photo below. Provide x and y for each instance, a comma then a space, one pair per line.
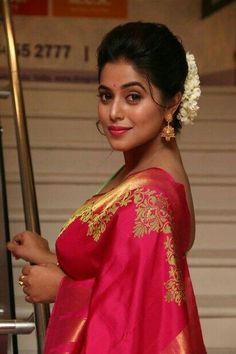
85, 210
152, 213
97, 220
175, 285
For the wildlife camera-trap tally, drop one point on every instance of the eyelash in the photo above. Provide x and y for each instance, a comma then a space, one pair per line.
132, 98
136, 97
103, 96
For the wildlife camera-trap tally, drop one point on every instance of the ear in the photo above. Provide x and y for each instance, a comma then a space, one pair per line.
173, 104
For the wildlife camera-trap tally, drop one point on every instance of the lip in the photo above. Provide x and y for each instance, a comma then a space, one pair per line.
118, 130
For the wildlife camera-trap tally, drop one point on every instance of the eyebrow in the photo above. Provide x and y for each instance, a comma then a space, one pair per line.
127, 85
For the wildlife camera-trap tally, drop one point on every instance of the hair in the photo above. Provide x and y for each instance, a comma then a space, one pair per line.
154, 51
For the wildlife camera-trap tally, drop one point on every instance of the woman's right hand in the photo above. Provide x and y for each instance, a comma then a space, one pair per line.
31, 247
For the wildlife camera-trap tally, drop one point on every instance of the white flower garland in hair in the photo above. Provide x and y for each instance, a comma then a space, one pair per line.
192, 92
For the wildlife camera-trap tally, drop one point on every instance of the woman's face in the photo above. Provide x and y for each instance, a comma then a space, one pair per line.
128, 114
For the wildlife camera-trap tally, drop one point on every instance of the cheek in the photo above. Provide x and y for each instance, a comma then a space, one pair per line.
100, 111
150, 119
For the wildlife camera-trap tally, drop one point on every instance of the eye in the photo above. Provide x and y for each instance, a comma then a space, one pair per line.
105, 97
133, 98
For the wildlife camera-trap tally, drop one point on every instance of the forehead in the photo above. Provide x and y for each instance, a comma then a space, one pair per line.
120, 72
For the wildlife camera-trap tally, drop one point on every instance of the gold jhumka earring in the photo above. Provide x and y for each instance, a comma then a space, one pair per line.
168, 131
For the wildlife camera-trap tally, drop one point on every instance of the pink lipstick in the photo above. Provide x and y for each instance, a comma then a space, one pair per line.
117, 130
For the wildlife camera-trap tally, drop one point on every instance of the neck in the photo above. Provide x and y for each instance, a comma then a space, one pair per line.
150, 155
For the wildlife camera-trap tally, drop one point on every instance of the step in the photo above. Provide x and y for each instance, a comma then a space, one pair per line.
214, 280
86, 165
4, 93
212, 258
73, 133
217, 306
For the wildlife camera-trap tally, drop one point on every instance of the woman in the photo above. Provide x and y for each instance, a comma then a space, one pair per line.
122, 285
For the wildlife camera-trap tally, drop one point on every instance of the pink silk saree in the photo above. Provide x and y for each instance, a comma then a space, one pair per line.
127, 288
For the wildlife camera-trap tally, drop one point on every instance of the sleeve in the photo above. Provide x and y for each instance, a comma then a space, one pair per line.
138, 302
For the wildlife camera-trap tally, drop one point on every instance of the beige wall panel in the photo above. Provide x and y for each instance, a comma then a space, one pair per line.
55, 196
82, 133
219, 334
220, 198
50, 101
54, 163
217, 102
210, 165
212, 281
215, 236
207, 167
53, 132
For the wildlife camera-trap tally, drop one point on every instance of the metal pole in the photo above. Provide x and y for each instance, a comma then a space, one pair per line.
7, 303
17, 326
25, 163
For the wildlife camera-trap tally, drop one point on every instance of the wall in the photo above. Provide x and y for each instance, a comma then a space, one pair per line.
211, 39
71, 160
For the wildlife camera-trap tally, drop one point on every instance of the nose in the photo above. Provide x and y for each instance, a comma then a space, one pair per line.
116, 112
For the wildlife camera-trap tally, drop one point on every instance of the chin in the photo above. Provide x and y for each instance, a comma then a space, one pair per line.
119, 147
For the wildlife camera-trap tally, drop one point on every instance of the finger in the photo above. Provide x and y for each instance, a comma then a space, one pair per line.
26, 270
18, 238
28, 299
11, 246
26, 290
24, 281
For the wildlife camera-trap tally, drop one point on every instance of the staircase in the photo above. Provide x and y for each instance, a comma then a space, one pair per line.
71, 160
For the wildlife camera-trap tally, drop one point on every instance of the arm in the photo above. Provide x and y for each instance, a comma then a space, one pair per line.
39, 282
32, 248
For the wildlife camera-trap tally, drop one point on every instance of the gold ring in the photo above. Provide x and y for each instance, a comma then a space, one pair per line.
20, 282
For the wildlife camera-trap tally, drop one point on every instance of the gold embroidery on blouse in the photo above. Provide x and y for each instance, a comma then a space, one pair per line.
85, 210
98, 221
152, 213
174, 286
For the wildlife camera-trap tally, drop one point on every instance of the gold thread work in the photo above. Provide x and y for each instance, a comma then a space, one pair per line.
174, 286
153, 213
